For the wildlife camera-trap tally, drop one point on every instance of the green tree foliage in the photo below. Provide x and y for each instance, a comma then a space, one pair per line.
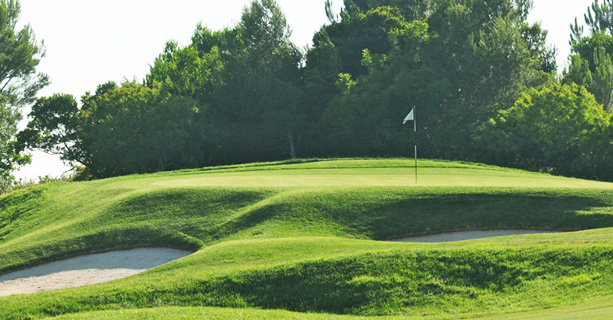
135, 129
590, 62
591, 66
369, 30
19, 82
365, 117
459, 62
118, 130
19, 56
9, 157
189, 71
250, 81
195, 71
338, 49
599, 18
259, 107
559, 129
53, 127
247, 94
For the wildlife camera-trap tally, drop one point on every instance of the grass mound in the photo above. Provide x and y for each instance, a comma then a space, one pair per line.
350, 277
298, 237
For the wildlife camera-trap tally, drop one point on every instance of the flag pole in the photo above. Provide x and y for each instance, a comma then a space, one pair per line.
415, 141
411, 117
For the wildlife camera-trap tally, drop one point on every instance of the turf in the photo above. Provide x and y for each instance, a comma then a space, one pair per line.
297, 239
588, 311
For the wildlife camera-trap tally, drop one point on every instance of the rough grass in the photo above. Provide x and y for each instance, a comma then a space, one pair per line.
307, 246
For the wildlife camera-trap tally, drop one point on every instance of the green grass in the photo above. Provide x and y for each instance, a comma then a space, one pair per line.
295, 240
596, 309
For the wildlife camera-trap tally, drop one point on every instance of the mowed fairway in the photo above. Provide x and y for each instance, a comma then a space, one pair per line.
302, 240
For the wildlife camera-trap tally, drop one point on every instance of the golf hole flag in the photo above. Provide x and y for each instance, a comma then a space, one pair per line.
410, 116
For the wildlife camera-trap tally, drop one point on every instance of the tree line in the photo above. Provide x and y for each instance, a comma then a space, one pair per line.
483, 79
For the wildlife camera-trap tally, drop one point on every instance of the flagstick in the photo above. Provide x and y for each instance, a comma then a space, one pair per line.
415, 141
411, 117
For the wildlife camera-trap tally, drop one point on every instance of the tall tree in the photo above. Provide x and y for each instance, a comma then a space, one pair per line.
459, 61
257, 113
337, 58
9, 157
590, 61
599, 18
20, 54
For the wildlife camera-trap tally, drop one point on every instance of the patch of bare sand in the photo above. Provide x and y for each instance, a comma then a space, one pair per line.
85, 270
468, 235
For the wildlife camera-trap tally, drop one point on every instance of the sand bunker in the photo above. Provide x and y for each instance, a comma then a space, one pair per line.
85, 270
468, 235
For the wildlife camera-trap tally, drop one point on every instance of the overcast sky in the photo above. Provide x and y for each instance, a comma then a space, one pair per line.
91, 42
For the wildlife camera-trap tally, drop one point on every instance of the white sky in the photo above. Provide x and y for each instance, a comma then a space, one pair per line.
91, 42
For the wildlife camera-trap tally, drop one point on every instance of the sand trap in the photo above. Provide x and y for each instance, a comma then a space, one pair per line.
85, 270
468, 235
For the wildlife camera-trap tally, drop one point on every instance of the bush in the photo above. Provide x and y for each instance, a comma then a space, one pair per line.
559, 129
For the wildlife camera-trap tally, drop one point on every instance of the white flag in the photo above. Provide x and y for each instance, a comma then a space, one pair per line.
409, 117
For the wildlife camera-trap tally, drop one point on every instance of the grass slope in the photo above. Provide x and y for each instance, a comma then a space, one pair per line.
297, 237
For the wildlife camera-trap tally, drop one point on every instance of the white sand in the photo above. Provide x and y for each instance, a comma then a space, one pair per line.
85, 270
468, 235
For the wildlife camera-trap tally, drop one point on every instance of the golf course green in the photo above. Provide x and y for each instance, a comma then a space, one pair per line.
309, 239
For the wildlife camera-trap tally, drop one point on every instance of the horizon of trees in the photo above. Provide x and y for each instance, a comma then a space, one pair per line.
483, 79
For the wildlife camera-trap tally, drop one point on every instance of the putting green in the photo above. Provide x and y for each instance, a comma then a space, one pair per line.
444, 177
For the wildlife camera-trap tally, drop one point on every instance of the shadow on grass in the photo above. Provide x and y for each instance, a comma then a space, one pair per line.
192, 218
387, 214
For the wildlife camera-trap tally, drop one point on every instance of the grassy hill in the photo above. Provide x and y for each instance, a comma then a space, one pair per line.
299, 240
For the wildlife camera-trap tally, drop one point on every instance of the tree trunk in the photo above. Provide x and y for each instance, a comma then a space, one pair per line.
292, 145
